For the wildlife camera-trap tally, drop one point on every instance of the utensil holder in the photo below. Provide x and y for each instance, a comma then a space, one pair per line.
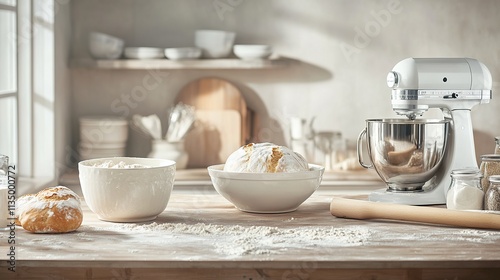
170, 150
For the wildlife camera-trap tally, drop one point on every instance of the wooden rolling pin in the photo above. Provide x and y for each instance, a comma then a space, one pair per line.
359, 209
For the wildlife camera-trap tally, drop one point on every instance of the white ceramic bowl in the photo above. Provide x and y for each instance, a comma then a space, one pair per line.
182, 53
103, 129
127, 194
266, 192
214, 43
144, 53
252, 51
104, 46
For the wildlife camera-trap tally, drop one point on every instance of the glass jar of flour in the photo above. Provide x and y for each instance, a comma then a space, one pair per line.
465, 192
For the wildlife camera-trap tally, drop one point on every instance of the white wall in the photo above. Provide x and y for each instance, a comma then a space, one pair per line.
341, 80
62, 86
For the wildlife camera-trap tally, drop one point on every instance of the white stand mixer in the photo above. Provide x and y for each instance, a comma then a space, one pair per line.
454, 85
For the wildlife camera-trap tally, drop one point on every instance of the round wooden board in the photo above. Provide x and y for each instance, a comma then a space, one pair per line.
212, 97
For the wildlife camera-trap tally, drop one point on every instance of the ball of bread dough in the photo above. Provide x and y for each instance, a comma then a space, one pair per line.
265, 158
52, 210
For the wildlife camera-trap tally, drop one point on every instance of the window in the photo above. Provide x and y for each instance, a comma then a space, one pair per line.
8, 79
27, 87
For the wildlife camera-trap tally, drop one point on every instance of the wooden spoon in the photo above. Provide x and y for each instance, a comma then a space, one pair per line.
359, 209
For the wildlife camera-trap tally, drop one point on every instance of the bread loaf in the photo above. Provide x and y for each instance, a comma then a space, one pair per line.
265, 158
52, 210
20, 204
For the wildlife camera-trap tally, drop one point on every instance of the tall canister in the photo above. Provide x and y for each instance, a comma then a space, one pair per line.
497, 145
490, 165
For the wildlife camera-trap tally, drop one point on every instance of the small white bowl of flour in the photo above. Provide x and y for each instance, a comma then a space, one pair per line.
127, 189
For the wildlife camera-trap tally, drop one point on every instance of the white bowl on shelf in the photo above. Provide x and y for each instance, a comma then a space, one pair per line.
182, 53
266, 192
144, 53
127, 194
252, 51
214, 43
104, 46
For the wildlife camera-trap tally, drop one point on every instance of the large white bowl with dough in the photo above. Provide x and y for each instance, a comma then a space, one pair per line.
133, 194
266, 192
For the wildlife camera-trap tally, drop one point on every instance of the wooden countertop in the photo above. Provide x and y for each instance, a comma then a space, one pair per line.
205, 233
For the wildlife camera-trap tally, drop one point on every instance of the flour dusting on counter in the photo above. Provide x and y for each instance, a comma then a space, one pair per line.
448, 234
253, 240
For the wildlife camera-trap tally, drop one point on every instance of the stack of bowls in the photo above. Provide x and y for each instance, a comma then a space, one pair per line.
102, 137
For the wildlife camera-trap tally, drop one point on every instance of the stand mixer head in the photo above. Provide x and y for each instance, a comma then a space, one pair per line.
446, 83
454, 85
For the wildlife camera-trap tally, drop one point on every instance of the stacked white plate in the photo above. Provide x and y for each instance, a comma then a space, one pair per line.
102, 136
144, 53
182, 53
252, 51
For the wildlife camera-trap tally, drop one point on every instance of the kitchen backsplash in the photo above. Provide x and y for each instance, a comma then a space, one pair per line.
341, 49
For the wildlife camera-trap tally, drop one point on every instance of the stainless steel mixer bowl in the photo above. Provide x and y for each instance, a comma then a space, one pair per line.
405, 153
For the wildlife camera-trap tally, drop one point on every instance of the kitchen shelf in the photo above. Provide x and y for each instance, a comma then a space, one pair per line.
138, 64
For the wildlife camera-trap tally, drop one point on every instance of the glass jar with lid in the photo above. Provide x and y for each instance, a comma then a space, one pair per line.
492, 196
4, 191
465, 191
4, 170
490, 165
497, 145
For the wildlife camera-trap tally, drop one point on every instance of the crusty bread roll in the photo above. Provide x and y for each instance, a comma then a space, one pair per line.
52, 210
21, 204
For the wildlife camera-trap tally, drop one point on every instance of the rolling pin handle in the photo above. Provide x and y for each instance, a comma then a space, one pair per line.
360, 209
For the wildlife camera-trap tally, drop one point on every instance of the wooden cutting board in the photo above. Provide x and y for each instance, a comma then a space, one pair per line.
218, 94
216, 134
